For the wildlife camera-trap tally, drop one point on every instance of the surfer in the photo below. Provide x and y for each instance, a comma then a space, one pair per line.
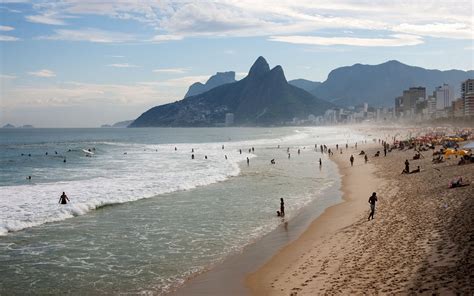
63, 199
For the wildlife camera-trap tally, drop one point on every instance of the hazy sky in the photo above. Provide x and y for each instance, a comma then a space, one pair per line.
83, 63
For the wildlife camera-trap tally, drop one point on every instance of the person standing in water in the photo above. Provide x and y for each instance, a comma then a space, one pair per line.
63, 199
248, 161
372, 200
282, 207
320, 162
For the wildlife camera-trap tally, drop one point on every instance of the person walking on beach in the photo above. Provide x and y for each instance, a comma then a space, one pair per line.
248, 161
372, 200
407, 166
282, 207
352, 160
63, 199
366, 158
320, 162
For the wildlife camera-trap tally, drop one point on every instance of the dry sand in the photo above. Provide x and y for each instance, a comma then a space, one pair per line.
421, 240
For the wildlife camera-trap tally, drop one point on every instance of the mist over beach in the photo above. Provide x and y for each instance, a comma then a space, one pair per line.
236, 147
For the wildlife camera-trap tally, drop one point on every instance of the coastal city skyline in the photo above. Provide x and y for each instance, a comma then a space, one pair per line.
86, 63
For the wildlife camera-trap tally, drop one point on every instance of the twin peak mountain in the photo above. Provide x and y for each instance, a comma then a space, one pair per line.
263, 97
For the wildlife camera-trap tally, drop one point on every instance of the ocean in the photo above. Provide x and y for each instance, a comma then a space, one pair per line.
144, 216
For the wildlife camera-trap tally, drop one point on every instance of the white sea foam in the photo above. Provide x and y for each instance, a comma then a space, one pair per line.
145, 171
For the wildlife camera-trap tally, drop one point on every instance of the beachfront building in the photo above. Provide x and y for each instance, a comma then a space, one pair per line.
467, 91
444, 96
406, 105
431, 105
458, 108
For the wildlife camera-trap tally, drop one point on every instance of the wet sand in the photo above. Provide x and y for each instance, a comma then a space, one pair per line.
421, 240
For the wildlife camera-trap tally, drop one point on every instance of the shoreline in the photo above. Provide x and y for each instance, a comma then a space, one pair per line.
228, 276
419, 242
357, 183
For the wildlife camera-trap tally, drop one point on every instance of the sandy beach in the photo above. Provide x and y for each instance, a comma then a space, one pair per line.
421, 240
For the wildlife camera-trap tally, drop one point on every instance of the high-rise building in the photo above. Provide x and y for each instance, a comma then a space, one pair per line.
467, 91
444, 96
431, 105
406, 104
458, 108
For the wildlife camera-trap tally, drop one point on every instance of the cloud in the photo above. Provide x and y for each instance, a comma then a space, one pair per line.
164, 38
454, 30
175, 20
76, 93
45, 19
43, 73
6, 28
7, 77
171, 70
396, 40
8, 38
116, 56
89, 35
125, 65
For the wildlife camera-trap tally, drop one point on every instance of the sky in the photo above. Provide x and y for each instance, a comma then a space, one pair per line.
84, 63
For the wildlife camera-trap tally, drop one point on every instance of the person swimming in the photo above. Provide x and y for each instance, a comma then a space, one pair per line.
63, 199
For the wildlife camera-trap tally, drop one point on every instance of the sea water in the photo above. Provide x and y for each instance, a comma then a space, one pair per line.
144, 215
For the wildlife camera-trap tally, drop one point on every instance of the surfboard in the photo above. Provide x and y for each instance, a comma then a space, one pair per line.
87, 152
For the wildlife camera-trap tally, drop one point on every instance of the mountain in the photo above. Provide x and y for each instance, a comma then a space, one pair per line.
124, 123
307, 85
264, 97
214, 81
380, 84
8, 126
